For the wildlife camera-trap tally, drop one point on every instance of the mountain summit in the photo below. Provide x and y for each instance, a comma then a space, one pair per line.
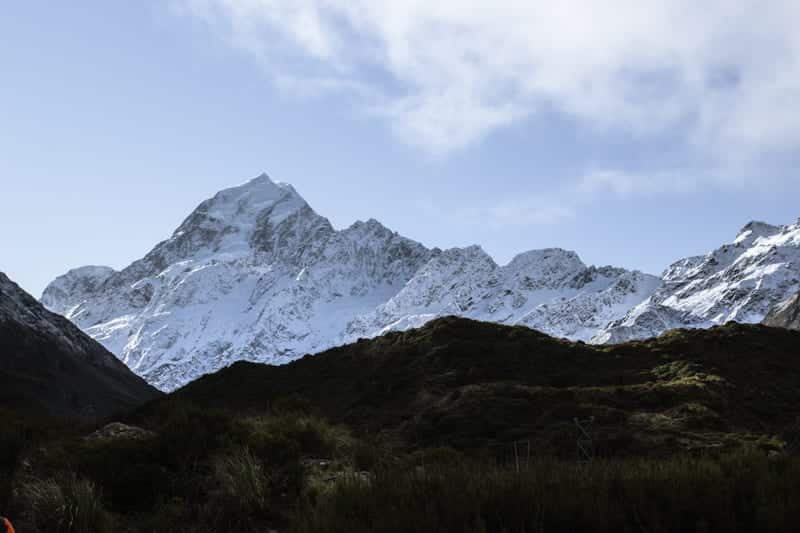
255, 273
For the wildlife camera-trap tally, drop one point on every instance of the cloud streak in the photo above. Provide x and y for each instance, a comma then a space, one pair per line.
565, 203
530, 211
724, 75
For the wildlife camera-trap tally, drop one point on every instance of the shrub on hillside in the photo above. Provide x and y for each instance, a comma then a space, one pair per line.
242, 481
133, 473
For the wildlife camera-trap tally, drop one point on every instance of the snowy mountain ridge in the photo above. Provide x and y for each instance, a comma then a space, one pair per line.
741, 281
255, 273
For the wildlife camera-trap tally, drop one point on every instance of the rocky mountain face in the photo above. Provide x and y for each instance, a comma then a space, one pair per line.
549, 290
741, 281
255, 274
47, 364
786, 314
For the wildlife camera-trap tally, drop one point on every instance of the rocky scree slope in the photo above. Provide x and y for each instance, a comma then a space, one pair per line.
254, 273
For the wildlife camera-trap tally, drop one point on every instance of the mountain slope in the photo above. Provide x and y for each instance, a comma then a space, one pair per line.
463, 383
48, 364
254, 273
740, 281
549, 290
786, 314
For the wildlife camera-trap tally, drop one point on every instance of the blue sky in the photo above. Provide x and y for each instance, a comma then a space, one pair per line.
585, 125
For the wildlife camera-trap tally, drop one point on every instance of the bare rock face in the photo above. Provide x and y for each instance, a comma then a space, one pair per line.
120, 431
786, 314
254, 273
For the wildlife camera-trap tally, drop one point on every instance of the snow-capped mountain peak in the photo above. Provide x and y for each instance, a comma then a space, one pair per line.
755, 230
739, 281
254, 273
546, 267
242, 205
230, 220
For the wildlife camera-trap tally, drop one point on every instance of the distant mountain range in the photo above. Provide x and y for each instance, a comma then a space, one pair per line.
741, 281
49, 366
254, 273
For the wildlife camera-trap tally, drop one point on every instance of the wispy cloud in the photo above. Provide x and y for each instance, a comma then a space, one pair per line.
535, 211
563, 204
724, 74
528, 211
623, 183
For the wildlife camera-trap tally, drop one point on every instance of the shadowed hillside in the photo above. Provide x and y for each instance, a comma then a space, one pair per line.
468, 384
414, 431
49, 366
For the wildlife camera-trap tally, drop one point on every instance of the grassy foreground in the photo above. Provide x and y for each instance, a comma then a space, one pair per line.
744, 492
288, 470
695, 431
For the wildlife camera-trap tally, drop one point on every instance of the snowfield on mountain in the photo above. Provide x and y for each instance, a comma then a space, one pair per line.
254, 273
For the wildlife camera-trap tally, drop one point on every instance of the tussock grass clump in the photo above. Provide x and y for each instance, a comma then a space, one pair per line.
311, 435
69, 505
243, 481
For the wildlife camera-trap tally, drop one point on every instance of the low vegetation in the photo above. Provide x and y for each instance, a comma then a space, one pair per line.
66, 505
459, 426
296, 472
740, 492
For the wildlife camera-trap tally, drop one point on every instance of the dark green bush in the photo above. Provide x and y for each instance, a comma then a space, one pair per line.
134, 475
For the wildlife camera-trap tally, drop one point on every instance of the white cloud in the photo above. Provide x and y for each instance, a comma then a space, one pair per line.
525, 212
724, 74
522, 212
623, 183
564, 203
